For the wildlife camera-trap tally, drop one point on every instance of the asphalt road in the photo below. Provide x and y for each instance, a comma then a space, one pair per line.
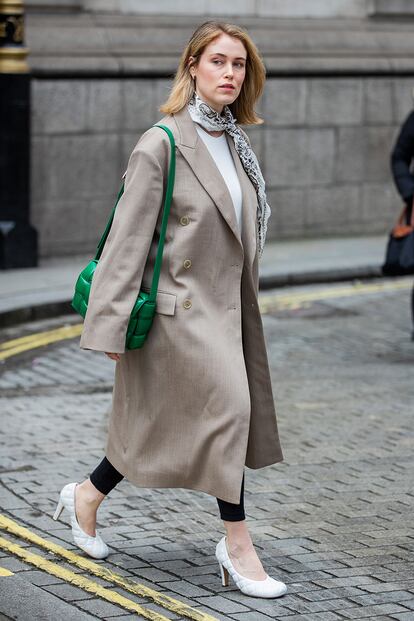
333, 521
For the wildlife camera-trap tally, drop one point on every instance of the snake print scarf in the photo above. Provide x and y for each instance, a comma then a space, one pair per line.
207, 117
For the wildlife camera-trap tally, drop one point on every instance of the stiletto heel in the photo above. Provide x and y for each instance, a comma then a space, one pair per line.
256, 588
59, 510
224, 575
94, 546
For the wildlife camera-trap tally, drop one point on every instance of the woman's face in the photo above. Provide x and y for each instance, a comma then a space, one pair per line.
220, 72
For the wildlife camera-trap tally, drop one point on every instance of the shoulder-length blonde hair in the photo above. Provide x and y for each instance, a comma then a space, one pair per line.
183, 87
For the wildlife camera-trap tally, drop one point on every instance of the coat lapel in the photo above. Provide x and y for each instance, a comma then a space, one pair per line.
198, 157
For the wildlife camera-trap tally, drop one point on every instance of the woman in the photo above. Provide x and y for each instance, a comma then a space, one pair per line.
195, 404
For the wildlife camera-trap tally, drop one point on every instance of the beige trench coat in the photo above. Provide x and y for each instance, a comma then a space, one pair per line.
195, 404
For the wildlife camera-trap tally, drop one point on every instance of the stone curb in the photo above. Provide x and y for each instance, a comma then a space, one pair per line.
36, 311
271, 281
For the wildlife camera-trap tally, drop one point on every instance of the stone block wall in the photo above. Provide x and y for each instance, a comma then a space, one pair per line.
82, 134
324, 150
326, 153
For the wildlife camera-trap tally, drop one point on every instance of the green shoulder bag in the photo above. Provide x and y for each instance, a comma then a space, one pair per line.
143, 312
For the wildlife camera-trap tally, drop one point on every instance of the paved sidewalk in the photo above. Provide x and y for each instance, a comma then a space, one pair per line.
35, 293
306, 261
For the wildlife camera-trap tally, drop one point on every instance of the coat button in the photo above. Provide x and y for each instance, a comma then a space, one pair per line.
187, 263
187, 304
184, 220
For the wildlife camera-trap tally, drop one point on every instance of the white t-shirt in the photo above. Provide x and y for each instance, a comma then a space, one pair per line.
221, 154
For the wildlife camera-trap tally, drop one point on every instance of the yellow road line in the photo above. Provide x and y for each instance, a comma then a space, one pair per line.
77, 580
272, 302
100, 571
5, 572
267, 303
40, 339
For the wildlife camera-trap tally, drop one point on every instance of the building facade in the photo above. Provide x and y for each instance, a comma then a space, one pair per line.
340, 75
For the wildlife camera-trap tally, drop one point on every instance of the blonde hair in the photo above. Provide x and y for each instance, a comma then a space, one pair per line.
252, 88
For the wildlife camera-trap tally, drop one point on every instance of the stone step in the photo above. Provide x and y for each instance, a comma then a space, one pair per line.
151, 45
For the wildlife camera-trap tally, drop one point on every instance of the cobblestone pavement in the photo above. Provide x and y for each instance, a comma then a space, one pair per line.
334, 520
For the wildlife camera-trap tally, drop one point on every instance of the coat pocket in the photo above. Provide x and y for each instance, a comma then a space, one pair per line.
166, 302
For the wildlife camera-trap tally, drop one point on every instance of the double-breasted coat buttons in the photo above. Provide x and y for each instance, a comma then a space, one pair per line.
184, 220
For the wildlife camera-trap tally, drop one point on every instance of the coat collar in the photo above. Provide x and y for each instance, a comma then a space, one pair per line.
199, 159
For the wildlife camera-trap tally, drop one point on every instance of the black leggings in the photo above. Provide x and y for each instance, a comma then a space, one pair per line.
105, 477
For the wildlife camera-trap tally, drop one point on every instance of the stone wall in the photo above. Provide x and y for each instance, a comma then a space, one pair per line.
82, 134
336, 94
324, 149
261, 8
241, 8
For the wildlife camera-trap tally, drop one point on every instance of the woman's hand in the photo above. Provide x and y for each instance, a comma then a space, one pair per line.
116, 357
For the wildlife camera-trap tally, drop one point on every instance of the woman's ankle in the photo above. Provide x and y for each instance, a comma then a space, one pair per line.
90, 494
238, 537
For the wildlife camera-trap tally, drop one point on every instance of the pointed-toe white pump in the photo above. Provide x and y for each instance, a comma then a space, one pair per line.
94, 546
255, 588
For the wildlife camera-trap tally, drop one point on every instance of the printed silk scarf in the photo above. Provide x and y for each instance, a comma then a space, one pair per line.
207, 117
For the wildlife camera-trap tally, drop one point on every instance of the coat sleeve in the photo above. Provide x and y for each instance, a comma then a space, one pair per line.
118, 275
401, 158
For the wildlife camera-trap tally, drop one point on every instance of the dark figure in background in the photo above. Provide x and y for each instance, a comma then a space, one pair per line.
402, 158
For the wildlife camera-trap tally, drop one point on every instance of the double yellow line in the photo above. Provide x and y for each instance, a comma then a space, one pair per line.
100, 571
267, 304
271, 303
40, 339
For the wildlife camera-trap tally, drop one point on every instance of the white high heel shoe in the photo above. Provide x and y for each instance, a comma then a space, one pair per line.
94, 546
256, 588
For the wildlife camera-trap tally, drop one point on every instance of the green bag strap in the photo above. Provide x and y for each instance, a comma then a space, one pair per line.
167, 206
102, 241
